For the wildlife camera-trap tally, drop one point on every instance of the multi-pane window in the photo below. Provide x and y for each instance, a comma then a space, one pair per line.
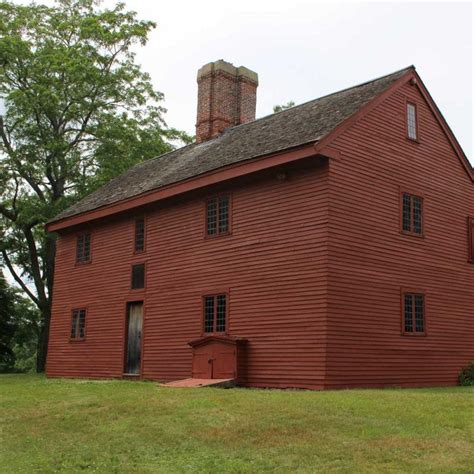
412, 214
83, 248
138, 276
411, 121
218, 215
470, 233
78, 324
414, 313
215, 313
140, 235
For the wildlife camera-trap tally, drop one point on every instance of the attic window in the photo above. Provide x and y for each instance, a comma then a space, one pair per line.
83, 248
412, 128
218, 216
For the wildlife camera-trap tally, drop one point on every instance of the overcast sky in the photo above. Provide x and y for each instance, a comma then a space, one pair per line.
303, 49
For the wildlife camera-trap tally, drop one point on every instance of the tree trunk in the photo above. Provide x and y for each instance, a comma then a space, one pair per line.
43, 340
49, 259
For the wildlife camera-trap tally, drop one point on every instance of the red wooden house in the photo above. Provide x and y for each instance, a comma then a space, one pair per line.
329, 245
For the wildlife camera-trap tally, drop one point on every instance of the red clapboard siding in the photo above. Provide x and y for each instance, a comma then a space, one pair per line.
314, 268
370, 261
273, 267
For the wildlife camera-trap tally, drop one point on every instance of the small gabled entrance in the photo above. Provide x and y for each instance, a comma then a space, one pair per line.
216, 357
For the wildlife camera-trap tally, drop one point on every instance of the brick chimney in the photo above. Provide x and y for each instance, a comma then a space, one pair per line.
227, 96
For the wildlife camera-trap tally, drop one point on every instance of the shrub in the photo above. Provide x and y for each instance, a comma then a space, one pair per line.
466, 377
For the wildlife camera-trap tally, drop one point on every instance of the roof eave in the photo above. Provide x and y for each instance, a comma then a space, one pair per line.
191, 184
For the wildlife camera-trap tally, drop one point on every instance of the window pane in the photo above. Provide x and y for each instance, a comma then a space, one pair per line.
406, 212
223, 214
471, 239
138, 276
75, 316
139, 235
408, 313
419, 313
417, 215
411, 121
87, 247
221, 316
82, 323
83, 248
80, 248
212, 217
209, 314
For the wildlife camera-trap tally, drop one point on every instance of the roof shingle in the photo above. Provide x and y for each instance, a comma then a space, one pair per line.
302, 124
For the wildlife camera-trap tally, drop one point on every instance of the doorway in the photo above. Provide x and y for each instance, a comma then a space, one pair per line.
133, 356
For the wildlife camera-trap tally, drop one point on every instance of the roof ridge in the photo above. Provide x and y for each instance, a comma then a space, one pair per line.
412, 67
228, 130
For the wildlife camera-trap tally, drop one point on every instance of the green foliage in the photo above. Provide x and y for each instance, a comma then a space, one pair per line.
68, 426
19, 330
79, 111
7, 326
280, 108
25, 340
25, 356
466, 377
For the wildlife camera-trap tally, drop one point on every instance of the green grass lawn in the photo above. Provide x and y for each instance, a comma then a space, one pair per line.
120, 426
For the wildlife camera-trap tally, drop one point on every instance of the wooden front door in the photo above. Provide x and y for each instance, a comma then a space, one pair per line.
134, 339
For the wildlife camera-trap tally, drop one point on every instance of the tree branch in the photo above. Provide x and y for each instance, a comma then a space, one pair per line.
17, 278
3, 136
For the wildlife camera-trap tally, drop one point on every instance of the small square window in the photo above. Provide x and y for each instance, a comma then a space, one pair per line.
218, 216
78, 324
412, 126
215, 313
83, 248
140, 235
414, 314
412, 214
138, 276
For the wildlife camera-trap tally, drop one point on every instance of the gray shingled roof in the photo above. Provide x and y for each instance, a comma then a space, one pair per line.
302, 124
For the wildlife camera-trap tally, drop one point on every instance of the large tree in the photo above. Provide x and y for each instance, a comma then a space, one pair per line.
78, 111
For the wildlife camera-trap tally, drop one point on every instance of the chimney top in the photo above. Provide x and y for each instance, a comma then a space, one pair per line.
227, 96
223, 66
